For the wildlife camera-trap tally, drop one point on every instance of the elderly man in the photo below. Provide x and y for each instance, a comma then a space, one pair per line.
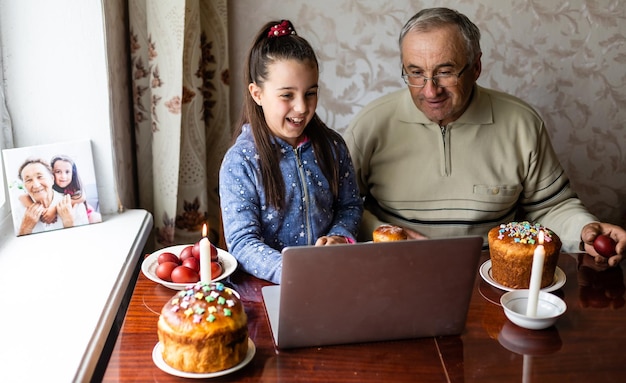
446, 157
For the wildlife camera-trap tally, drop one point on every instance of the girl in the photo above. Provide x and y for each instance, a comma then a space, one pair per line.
288, 179
66, 181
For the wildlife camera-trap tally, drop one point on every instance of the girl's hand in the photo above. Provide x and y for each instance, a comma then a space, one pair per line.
49, 215
64, 210
331, 240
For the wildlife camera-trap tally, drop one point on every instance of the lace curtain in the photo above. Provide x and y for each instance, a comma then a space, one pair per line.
179, 69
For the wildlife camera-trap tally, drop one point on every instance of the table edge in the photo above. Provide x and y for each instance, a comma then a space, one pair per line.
96, 344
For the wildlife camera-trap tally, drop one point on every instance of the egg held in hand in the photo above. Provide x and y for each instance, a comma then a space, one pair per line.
604, 245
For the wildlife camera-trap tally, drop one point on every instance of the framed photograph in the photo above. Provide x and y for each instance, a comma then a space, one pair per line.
51, 187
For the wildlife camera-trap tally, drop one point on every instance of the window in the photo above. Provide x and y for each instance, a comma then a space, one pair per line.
3, 201
2, 193
5, 135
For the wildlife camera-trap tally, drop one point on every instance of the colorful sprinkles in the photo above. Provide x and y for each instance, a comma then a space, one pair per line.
524, 232
192, 300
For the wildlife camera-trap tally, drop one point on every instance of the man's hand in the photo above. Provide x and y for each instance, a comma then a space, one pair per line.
412, 234
589, 233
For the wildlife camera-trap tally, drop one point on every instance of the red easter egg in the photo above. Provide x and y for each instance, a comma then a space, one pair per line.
604, 245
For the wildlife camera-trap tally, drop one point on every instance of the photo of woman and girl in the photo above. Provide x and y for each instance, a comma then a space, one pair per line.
67, 182
288, 179
51, 191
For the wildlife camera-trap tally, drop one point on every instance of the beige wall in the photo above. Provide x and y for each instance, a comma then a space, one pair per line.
56, 80
568, 59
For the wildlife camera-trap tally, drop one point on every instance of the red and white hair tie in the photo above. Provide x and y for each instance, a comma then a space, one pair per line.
282, 29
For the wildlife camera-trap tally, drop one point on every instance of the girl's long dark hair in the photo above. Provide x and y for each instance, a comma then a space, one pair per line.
263, 52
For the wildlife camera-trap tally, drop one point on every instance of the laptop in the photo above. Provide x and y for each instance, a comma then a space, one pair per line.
367, 292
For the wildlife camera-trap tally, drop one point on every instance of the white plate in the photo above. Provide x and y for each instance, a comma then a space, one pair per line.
149, 265
157, 357
557, 283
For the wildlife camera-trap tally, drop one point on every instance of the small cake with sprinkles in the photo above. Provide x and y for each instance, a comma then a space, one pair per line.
512, 247
203, 329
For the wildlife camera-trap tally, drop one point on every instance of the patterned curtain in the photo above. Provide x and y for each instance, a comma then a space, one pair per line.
179, 59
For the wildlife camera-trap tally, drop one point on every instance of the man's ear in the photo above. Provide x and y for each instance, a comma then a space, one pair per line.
477, 66
255, 92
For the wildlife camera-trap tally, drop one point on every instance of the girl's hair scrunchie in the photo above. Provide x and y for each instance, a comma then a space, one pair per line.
282, 29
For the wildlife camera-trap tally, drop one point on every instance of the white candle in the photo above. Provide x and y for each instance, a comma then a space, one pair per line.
205, 257
535, 277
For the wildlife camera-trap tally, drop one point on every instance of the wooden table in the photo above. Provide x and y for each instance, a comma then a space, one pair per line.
587, 344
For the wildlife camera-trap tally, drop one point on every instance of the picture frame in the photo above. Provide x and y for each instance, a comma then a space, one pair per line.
51, 186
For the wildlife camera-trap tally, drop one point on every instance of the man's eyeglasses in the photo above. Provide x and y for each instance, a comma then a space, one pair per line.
441, 80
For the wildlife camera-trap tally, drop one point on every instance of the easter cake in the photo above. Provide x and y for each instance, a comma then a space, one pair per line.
512, 247
203, 329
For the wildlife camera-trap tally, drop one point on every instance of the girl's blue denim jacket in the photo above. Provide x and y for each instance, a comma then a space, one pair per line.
255, 232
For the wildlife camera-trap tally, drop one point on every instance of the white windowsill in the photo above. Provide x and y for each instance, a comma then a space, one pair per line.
61, 291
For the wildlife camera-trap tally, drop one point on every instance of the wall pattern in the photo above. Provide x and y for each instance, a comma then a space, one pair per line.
567, 59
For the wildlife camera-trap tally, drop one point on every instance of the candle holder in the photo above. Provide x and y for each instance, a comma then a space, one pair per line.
549, 309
